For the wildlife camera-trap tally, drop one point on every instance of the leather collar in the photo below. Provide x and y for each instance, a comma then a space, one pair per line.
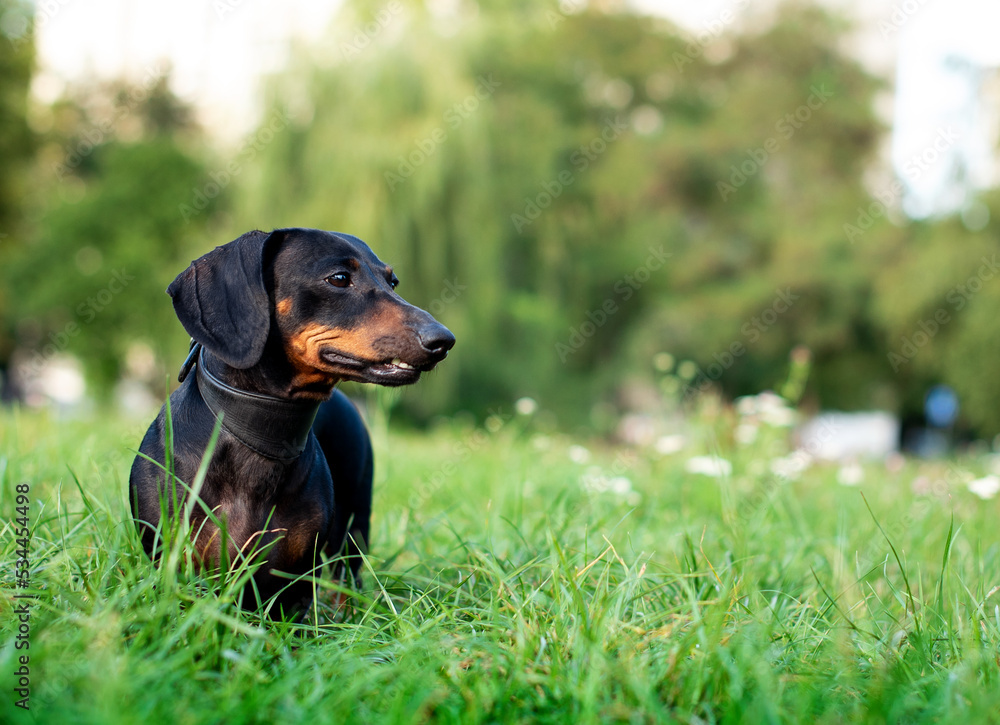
276, 428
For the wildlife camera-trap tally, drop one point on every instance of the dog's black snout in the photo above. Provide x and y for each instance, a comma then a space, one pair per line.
436, 339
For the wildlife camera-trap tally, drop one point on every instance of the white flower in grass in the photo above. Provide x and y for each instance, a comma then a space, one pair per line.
709, 466
620, 485
768, 408
985, 487
791, 466
745, 434
595, 481
579, 454
525, 406
665, 445
850, 474
780, 417
541, 443
746, 405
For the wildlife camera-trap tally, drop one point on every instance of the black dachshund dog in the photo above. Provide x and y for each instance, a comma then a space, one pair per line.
276, 321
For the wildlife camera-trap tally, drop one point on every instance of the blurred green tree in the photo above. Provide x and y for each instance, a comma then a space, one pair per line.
935, 295
572, 190
120, 162
600, 186
18, 145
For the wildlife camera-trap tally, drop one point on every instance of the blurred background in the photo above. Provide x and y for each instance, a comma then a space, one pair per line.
616, 206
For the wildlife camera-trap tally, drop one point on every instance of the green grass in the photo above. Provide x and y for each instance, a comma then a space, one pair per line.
500, 589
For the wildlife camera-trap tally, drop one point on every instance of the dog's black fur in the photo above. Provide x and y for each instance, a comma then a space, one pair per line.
288, 315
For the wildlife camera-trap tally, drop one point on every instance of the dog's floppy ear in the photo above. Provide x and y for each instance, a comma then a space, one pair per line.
222, 301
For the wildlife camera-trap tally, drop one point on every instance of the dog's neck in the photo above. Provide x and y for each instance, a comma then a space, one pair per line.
275, 426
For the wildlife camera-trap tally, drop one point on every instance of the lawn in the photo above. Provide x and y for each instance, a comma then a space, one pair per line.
520, 575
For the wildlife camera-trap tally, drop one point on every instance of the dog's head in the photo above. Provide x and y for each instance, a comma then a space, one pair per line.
330, 300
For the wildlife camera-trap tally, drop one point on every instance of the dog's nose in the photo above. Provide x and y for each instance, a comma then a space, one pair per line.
436, 339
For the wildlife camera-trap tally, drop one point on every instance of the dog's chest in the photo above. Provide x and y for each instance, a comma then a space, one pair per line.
287, 529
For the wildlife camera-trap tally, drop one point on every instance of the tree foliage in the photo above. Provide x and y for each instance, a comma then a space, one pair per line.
109, 235
548, 161
17, 145
573, 193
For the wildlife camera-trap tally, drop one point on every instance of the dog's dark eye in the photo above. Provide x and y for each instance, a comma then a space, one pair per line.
394, 283
340, 279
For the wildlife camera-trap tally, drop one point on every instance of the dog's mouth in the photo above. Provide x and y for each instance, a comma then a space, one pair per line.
394, 371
